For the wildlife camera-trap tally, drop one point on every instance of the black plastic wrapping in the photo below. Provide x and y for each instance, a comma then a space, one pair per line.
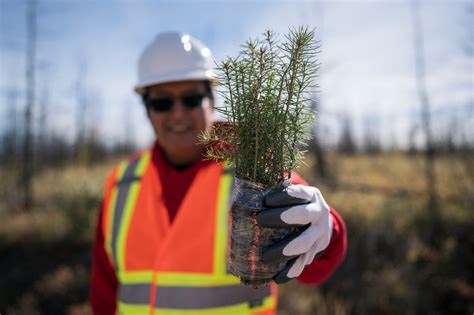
248, 239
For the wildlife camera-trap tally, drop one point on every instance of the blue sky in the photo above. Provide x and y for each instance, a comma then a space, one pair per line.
367, 55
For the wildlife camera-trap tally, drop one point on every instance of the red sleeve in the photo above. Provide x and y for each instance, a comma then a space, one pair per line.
323, 267
297, 179
103, 291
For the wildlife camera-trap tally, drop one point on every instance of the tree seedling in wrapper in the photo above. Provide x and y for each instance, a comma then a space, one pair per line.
265, 91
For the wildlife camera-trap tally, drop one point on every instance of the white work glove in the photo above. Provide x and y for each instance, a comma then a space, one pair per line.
296, 205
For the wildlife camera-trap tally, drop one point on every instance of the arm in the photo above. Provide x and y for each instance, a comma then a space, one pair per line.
103, 291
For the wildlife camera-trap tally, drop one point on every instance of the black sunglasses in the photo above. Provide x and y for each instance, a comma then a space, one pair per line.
164, 104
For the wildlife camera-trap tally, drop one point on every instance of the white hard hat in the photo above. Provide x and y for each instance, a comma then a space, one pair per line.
171, 57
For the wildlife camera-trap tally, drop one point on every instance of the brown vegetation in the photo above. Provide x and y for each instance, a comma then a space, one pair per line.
400, 260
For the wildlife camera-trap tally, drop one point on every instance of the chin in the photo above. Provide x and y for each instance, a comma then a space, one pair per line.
183, 150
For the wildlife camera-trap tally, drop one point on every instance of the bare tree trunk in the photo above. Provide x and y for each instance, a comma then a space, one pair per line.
12, 119
371, 140
321, 165
347, 144
425, 107
30, 99
320, 157
81, 105
42, 139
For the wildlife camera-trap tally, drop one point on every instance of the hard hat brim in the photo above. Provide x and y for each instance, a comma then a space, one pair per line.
198, 75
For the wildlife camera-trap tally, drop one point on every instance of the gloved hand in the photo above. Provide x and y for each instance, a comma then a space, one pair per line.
292, 206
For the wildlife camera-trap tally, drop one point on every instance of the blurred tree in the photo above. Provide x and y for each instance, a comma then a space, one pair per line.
412, 145
467, 41
81, 105
28, 143
346, 143
467, 137
425, 106
128, 123
371, 140
9, 150
42, 141
321, 167
87, 146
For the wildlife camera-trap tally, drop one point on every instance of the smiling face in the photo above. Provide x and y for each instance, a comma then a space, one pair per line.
177, 129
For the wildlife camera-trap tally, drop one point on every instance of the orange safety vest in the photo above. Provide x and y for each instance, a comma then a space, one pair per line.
177, 268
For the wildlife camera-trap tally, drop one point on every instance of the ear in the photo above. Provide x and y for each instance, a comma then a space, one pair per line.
212, 104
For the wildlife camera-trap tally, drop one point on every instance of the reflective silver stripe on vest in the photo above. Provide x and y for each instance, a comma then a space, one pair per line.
123, 186
172, 297
135, 293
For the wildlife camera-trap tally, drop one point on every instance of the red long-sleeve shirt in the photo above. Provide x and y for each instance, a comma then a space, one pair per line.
104, 284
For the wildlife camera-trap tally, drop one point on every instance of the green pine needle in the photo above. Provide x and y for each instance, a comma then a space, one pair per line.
266, 91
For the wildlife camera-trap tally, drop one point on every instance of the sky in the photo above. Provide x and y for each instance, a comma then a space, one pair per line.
367, 57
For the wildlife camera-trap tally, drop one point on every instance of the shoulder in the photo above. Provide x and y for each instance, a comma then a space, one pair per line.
135, 160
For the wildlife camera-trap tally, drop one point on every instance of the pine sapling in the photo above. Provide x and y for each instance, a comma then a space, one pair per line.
266, 92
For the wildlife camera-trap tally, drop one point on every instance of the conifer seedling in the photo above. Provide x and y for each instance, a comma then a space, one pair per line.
266, 91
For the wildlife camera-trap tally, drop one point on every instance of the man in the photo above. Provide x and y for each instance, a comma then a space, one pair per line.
161, 242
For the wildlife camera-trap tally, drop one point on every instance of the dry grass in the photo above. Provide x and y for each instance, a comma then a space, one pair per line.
391, 257
365, 184
59, 195
396, 249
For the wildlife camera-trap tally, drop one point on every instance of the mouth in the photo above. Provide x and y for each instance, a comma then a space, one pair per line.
179, 129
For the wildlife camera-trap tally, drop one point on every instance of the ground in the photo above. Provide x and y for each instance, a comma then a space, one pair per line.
403, 258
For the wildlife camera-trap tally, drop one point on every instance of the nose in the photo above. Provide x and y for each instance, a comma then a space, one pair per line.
178, 111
